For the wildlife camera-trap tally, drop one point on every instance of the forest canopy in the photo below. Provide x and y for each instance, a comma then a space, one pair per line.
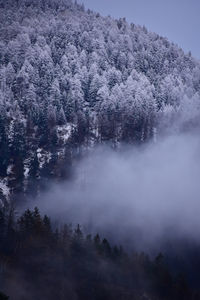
70, 78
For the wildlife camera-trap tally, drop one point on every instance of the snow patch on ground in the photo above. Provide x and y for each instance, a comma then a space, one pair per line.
43, 157
9, 169
95, 132
3, 188
64, 132
26, 168
26, 171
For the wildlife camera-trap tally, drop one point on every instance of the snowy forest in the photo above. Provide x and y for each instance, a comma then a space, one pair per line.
70, 79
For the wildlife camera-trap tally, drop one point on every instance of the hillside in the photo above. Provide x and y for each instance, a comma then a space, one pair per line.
70, 79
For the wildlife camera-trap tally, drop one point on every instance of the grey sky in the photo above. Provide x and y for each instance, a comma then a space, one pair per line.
178, 20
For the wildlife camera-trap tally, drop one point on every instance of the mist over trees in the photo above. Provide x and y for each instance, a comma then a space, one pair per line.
70, 78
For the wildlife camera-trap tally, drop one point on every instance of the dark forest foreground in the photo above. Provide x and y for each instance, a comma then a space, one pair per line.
38, 261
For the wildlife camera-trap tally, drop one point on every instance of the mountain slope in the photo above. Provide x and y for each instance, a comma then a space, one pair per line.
71, 78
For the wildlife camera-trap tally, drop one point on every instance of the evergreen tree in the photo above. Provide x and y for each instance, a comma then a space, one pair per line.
3, 296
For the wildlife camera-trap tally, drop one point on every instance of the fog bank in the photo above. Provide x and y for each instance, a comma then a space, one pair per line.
150, 192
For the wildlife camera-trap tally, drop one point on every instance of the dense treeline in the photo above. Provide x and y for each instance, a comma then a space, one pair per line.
70, 78
42, 261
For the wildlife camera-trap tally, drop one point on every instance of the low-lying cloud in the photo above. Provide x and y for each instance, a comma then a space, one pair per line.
149, 192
